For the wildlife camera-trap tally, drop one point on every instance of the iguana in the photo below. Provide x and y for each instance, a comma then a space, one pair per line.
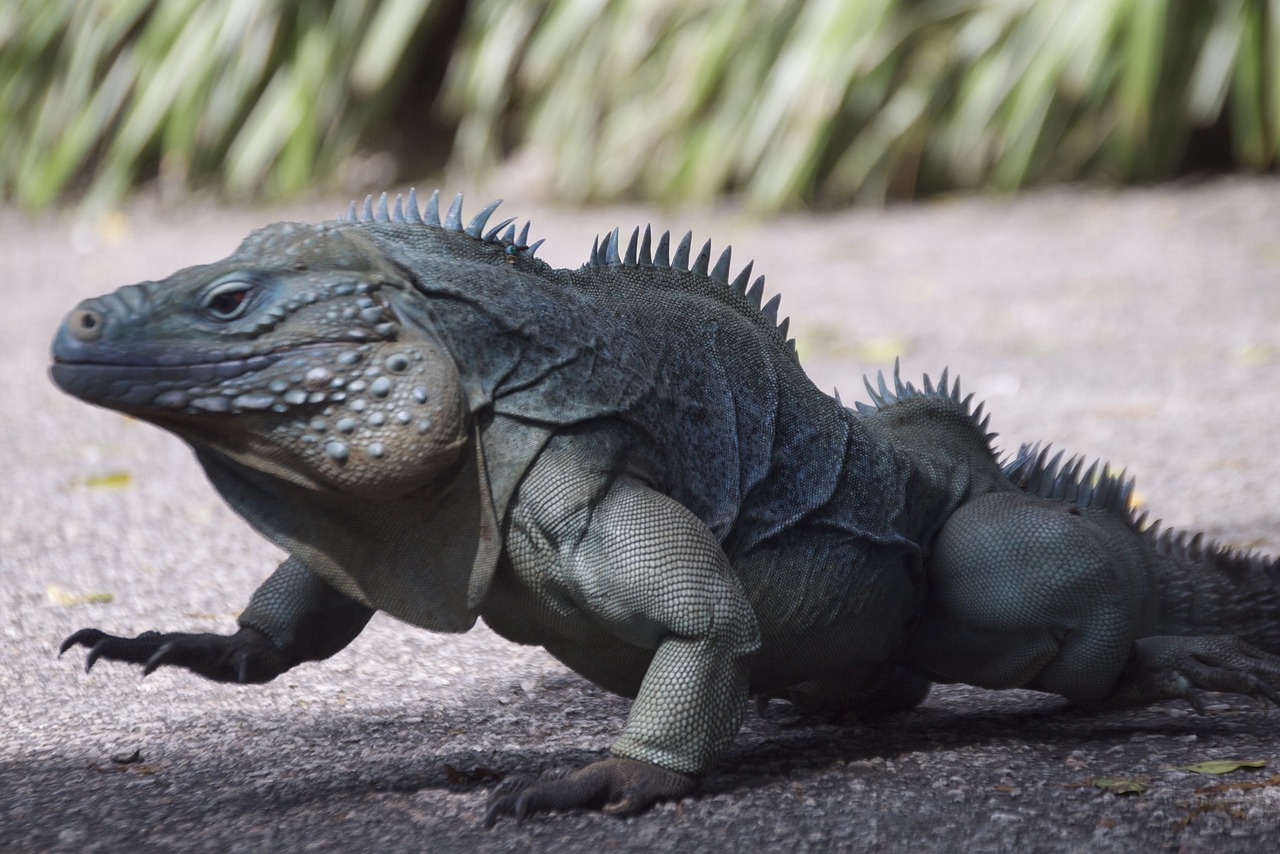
625, 464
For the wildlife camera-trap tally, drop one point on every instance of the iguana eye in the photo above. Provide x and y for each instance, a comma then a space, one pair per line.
228, 300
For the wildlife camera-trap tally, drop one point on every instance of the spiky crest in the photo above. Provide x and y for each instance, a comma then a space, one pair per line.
883, 397
640, 252
406, 211
1034, 471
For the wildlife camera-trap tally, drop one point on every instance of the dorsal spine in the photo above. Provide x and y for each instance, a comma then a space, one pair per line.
639, 253
1099, 487
406, 211
883, 397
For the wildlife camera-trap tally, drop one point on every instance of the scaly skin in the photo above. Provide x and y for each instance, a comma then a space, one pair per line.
626, 465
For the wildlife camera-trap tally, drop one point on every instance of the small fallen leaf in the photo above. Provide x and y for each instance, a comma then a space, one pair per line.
1274, 780
1120, 787
1223, 766
111, 480
884, 349
200, 515
1256, 354
66, 598
827, 341
113, 228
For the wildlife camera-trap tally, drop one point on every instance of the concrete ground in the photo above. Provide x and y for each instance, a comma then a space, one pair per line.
1142, 326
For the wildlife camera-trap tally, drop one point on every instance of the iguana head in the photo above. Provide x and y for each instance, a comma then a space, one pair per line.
289, 356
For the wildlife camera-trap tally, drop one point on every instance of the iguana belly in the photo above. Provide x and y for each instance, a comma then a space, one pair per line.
822, 611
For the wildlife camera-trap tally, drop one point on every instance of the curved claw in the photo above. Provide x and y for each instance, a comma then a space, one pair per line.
1260, 688
1231, 666
159, 657
1168, 668
1195, 697
102, 645
618, 786
84, 637
516, 806
508, 798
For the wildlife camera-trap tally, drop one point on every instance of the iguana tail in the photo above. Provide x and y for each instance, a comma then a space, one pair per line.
1202, 587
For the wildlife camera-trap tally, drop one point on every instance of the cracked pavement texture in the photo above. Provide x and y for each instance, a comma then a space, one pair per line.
1142, 326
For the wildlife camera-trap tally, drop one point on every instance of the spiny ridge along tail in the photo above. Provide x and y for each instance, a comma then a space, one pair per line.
1033, 471
1206, 586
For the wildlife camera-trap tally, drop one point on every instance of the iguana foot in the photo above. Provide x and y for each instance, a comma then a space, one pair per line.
617, 786
1168, 668
247, 656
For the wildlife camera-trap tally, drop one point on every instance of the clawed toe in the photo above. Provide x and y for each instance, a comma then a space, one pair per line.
1166, 668
102, 645
84, 637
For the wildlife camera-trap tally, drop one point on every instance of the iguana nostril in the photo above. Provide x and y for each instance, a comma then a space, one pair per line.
85, 324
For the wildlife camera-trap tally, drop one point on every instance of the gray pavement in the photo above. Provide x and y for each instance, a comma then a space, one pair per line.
1141, 326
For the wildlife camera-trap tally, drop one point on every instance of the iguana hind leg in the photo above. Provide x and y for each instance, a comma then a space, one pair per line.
293, 617
1026, 592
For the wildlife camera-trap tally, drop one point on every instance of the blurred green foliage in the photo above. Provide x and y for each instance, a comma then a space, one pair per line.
259, 96
783, 101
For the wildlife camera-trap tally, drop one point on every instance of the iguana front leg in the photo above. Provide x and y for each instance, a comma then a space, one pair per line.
647, 573
293, 617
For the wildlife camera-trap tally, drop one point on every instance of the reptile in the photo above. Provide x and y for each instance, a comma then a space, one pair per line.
626, 464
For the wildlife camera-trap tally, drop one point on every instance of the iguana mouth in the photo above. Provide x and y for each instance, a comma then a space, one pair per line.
202, 371
98, 378
153, 384
171, 363
228, 385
